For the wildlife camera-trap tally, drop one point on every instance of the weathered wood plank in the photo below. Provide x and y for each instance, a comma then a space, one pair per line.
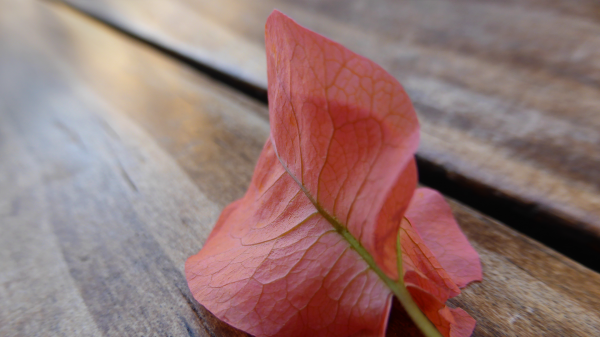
116, 162
507, 92
89, 201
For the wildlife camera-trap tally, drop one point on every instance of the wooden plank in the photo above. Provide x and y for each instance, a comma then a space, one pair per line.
116, 162
507, 92
96, 219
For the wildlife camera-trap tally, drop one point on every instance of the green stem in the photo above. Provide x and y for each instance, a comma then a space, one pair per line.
397, 287
408, 303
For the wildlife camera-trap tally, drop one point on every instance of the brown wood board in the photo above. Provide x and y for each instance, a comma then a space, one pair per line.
116, 162
508, 93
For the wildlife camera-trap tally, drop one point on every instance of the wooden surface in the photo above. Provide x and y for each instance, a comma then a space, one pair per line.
507, 92
116, 160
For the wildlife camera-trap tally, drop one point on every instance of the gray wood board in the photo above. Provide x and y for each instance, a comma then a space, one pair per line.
115, 163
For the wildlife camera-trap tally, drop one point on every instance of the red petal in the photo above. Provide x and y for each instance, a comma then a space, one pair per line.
270, 274
449, 322
341, 156
432, 217
342, 126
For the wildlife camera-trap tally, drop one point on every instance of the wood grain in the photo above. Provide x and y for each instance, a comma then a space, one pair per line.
116, 161
507, 93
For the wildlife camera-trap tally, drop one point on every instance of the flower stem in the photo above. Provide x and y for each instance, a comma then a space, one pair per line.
403, 295
397, 287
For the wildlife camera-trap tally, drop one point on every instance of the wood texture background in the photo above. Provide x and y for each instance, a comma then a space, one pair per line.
507, 92
116, 160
